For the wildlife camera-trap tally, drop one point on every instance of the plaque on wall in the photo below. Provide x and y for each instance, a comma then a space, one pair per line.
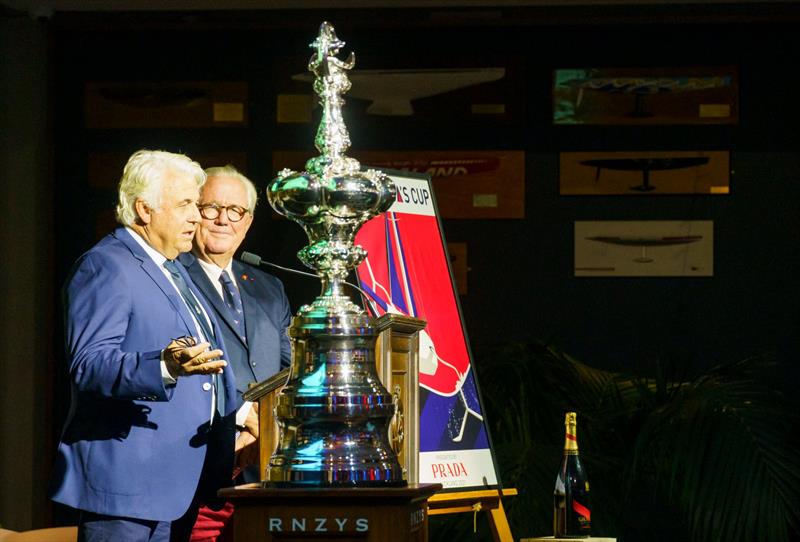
668, 95
184, 104
468, 184
644, 173
442, 90
648, 248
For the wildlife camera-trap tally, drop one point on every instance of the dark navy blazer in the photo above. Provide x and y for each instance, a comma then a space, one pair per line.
131, 446
267, 315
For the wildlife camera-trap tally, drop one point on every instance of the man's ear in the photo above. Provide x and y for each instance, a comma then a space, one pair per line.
143, 212
249, 219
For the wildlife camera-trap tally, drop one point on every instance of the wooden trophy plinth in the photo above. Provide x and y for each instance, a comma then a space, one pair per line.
365, 514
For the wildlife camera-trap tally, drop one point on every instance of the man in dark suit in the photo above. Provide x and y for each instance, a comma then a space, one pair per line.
146, 438
250, 304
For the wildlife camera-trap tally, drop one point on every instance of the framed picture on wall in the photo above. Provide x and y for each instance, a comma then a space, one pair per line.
649, 248
165, 104
644, 173
669, 95
390, 91
468, 184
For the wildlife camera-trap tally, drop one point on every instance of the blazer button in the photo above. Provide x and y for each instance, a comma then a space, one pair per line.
206, 386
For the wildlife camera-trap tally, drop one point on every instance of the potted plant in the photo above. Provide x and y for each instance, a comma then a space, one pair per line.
709, 457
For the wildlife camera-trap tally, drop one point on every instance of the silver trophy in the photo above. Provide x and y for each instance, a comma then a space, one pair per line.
333, 412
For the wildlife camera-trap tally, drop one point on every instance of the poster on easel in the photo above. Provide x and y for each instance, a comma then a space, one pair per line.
407, 271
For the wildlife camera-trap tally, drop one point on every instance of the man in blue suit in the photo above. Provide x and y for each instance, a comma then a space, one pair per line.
250, 305
149, 435
257, 343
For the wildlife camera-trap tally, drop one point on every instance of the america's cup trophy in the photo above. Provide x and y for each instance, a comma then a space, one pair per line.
333, 412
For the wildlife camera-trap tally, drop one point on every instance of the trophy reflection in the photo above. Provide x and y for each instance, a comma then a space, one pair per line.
334, 412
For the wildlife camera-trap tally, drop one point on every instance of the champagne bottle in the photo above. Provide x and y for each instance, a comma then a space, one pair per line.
571, 507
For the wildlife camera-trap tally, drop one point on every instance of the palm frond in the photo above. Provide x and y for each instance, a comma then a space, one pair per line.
704, 459
723, 442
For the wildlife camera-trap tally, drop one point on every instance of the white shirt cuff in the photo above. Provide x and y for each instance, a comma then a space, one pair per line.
166, 378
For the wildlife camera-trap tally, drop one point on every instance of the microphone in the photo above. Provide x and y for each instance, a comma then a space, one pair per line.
256, 261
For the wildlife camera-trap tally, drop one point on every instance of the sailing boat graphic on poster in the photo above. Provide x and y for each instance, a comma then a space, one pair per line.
407, 272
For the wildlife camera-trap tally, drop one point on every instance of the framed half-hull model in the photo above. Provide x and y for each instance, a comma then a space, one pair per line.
651, 248
669, 95
644, 173
172, 104
442, 90
468, 184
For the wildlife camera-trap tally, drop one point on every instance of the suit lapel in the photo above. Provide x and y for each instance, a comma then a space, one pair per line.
200, 284
150, 267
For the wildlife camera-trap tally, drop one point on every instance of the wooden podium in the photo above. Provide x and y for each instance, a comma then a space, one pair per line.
397, 364
343, 514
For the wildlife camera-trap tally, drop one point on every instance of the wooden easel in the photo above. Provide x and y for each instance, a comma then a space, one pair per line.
397, 359
488, 500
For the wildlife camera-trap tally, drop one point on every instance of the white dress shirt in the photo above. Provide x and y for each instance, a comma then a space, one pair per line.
159, 260
213, 272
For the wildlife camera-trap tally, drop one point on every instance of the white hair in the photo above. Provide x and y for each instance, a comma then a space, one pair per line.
143, 178
249, 187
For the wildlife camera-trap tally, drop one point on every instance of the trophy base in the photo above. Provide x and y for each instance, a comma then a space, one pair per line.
333, 485
332, 479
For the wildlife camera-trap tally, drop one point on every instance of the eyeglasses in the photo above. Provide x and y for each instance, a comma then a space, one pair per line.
211, 211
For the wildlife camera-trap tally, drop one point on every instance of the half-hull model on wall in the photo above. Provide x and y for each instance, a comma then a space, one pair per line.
441, 90
390, 92
644, 173
170, 104
651, 248
669, 95
468, 184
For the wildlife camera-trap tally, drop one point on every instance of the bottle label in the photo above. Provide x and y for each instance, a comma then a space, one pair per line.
581, 510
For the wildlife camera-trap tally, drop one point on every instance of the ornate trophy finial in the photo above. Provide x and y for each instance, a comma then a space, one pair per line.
333, 412
331, 82
332, 199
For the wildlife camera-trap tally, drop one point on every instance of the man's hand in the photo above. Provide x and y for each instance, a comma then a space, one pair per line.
184, 358
251, 422
246, 446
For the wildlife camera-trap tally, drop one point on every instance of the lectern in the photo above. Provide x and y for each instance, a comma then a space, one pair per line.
342, 514
364, 514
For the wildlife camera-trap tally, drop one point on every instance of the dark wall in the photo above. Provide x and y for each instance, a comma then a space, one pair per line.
521, 282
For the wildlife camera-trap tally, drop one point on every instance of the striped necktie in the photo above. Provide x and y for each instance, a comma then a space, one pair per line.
233, 301
205, 326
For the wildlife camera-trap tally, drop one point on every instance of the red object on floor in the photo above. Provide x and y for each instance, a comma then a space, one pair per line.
211, 524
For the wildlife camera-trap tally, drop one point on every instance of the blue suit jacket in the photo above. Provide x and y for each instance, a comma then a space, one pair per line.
267, 315
131, 446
